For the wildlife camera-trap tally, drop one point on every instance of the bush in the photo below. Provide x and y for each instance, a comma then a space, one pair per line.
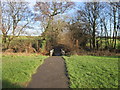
29, 45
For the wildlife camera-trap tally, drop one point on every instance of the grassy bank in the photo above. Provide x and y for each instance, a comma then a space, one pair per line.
17, 70
92, 71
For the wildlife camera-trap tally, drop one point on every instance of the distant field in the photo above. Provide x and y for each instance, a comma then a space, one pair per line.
17, 70
92, 71
103, 43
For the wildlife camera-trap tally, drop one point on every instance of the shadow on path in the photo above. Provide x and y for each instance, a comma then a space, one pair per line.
7, 84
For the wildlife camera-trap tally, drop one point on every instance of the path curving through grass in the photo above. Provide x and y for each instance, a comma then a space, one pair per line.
17, 70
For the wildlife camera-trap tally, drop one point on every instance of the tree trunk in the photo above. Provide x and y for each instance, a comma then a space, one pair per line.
101, 34
106, 35
93, 35
90, 44
110, 31
114, 32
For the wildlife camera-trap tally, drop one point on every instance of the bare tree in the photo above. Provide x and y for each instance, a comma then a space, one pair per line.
15, 17
56, 29
90, 14
114, 17
115, 7
46, 12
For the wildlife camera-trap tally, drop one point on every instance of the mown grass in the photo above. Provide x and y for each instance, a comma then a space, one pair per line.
17, 70
92, 71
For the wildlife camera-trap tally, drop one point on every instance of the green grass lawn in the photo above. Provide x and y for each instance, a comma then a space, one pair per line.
92, 71
17, 70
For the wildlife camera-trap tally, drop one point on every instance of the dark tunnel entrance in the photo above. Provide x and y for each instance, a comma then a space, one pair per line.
59, 50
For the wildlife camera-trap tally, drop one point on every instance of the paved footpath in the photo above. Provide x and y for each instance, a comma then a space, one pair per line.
51, 74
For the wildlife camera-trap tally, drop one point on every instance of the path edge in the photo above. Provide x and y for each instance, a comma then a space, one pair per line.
66, 72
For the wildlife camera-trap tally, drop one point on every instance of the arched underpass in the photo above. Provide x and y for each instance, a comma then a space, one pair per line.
58, 48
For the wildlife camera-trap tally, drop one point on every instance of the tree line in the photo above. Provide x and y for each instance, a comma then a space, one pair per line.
78, 26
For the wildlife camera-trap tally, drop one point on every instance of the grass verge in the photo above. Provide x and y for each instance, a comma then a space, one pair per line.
17, 70
92, 71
